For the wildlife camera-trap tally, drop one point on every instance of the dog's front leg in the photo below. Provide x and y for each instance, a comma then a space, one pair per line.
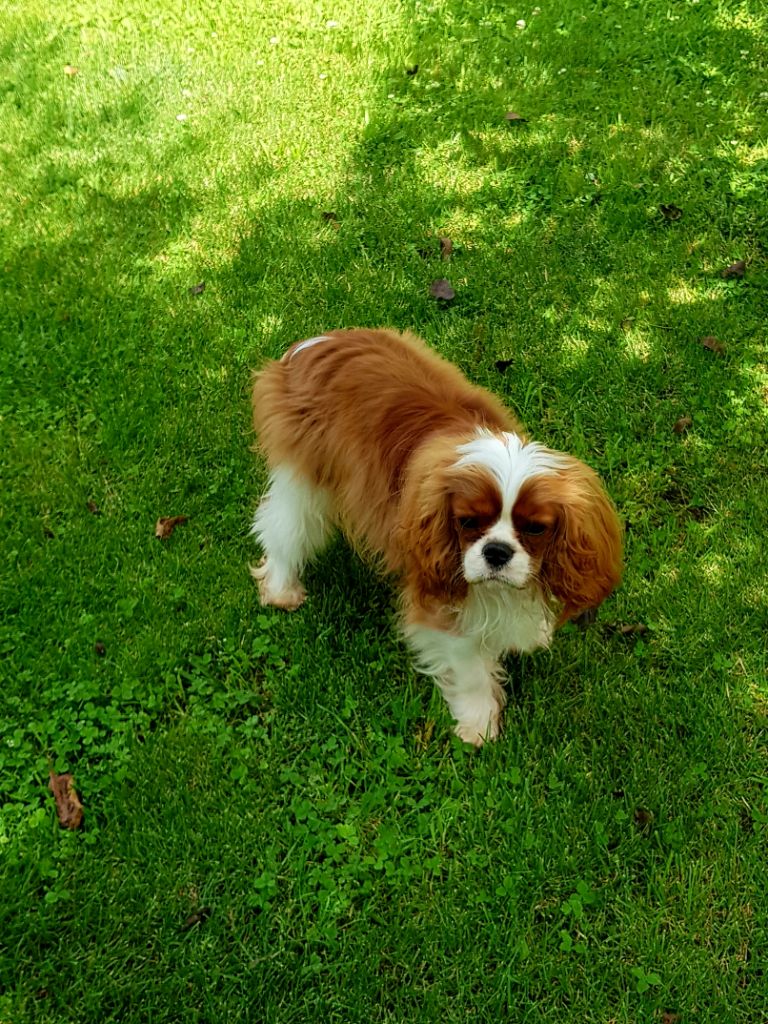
468, 681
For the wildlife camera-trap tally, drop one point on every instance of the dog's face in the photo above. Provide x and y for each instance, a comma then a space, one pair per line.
506, 544
500, 510
503, 529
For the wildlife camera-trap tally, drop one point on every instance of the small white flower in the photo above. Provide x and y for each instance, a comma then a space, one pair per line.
331, 23
520, 24
274, 40
186, 93
181, 117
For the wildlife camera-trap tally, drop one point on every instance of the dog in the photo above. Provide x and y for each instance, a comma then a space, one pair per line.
495, 539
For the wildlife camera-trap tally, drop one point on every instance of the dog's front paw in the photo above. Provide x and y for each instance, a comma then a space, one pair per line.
288, 596
479, 730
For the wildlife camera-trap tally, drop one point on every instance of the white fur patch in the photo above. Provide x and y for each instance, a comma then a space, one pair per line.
509, 459
292, 523
500, 618
494, 619
309, 343
469, 682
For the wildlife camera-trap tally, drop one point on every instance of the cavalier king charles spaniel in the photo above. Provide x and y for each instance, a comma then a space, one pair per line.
495, 539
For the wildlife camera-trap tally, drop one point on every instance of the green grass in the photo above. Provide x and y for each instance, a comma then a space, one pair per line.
606, 860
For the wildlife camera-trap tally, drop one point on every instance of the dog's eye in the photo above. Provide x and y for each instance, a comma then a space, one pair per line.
534, 529
469, 522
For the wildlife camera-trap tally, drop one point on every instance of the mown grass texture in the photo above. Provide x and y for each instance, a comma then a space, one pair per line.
288, 779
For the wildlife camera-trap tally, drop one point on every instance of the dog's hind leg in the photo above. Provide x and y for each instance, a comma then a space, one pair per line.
292, 523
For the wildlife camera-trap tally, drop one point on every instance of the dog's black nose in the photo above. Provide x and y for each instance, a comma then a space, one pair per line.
497, 554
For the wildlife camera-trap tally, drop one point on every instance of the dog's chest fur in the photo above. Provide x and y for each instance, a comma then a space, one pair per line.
500, 618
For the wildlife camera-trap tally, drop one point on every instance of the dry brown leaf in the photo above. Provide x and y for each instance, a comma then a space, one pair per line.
99, 649
512, 117
737, 269
93, 508
68, 807
713, 344
643, 819
198, 917
442, 289
682, 424
670, 1017
167, 524
632, 629
71, 70
670, 212
330, 218
446, 247
197, 289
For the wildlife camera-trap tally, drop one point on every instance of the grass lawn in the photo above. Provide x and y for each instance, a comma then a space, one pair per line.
279, 826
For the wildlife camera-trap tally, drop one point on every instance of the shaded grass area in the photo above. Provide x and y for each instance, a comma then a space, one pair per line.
290, 774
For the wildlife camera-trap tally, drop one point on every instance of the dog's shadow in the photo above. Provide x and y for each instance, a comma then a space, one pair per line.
351, 614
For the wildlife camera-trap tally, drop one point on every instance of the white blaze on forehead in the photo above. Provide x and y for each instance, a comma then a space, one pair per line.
509, 459
307, 344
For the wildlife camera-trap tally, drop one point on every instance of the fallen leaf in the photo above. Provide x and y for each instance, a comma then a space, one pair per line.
198, 917
412, 70
713, 344
503, 364
682, 424
670, 212
442, 289
93, 508
669, 1017
167, 524
197, 289
71, 70
632, 629
643, 819
514, 118
68, 807
446, 247
99, 649
736, 269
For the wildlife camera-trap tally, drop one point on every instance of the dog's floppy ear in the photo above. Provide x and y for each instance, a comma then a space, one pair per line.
427, 532
583, 563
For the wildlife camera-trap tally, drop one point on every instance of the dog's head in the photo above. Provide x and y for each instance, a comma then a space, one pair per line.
495, 508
